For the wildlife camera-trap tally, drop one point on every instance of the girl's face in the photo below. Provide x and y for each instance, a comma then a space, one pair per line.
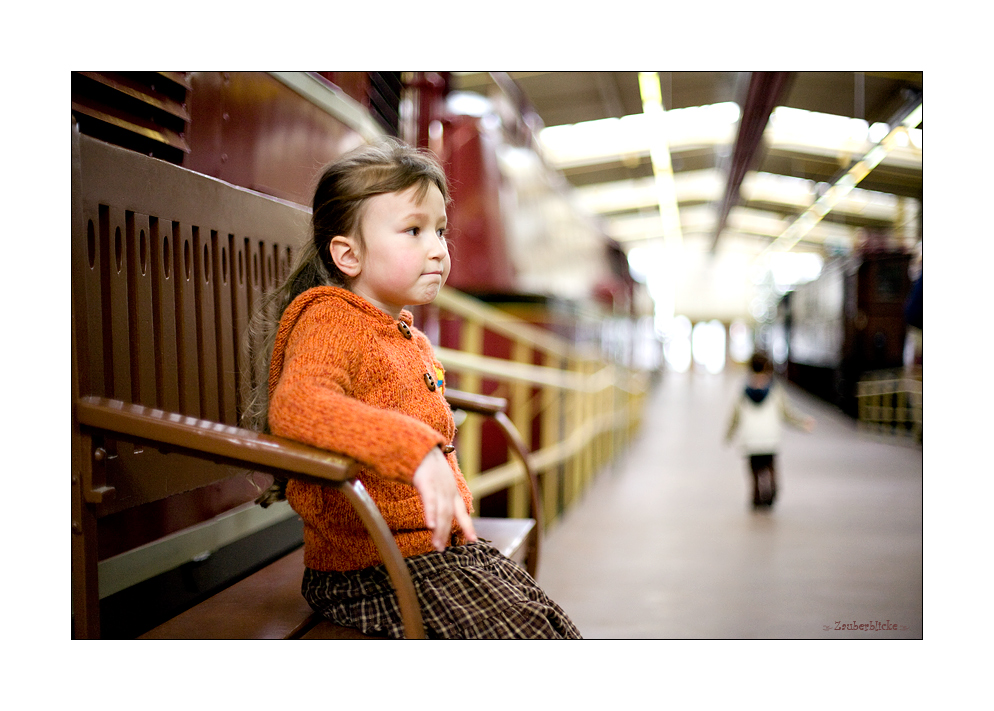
405, 259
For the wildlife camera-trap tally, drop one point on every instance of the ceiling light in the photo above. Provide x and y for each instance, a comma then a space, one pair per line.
466, 103
659, 152
914, 118
877, 131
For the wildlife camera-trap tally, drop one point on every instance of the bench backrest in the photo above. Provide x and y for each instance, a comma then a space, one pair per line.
167, 265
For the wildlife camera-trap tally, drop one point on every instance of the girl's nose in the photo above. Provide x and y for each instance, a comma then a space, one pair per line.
438, 249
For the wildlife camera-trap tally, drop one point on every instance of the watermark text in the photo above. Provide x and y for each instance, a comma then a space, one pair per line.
868, 626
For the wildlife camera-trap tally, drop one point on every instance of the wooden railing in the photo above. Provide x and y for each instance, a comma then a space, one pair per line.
575, 409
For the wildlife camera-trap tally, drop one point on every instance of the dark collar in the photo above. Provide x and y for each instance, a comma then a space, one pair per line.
757, 395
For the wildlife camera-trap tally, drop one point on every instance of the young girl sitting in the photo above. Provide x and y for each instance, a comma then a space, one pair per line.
348, 372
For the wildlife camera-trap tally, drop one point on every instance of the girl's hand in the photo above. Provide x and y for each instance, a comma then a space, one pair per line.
436, 485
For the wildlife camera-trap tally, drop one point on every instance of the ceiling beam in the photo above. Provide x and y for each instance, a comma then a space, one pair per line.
608, 90
763, 95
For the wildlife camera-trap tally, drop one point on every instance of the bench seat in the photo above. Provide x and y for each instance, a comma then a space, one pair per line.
264, 605
268, 603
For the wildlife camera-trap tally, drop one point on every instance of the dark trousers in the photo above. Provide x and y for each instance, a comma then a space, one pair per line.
764, 486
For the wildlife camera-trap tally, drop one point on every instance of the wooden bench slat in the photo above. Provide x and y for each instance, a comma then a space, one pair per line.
265, 605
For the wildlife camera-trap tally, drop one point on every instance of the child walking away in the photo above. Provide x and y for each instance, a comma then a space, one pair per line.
757, 418
349, 372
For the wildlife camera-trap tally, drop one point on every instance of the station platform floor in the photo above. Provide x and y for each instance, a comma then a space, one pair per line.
665, 544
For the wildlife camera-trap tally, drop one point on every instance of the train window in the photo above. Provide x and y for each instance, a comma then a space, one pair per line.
890, 281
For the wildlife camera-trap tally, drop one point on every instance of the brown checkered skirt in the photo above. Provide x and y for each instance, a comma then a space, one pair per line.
466, 592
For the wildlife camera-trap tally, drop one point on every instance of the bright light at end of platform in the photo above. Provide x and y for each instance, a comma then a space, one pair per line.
708, 345
676, 344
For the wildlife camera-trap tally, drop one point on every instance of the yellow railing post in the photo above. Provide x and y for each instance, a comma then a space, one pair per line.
575, 418
552, 434
520, 415
470, 433
589, 413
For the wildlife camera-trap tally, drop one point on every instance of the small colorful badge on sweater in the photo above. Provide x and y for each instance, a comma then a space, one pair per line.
436, 383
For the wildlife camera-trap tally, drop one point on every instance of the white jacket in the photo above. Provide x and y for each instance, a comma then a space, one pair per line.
758, 426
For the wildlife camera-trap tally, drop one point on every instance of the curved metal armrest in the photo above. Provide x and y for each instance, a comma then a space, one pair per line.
247, 449
471, 402
204, 439
495, 407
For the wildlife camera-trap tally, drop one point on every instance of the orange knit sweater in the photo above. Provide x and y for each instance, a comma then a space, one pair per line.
345, 377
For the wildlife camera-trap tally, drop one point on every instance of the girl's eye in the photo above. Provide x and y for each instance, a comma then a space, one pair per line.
413, 231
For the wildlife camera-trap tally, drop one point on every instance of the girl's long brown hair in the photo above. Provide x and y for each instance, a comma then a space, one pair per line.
342, 192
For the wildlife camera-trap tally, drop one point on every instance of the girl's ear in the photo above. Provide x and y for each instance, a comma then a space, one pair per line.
345, 255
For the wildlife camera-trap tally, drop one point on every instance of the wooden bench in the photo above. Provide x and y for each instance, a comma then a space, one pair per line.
167, 266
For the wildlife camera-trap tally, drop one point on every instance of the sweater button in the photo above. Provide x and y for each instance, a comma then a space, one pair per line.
448, 449
404, 329
430, 382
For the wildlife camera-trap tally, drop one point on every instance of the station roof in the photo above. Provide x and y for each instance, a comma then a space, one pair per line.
790, 159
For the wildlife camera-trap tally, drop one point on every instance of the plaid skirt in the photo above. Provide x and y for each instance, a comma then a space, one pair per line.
466, 592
